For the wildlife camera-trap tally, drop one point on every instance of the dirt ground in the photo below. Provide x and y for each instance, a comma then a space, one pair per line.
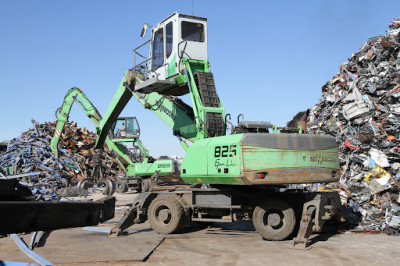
215, 244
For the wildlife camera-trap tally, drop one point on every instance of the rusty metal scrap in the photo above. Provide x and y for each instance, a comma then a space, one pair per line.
31, 152
360, 106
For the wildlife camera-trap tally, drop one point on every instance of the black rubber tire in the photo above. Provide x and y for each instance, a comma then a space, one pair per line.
121, 186
186, 214
274, 219
166, 214
109, 186
139, 188
146, 185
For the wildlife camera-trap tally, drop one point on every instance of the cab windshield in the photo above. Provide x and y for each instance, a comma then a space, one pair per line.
192, 31
126, 128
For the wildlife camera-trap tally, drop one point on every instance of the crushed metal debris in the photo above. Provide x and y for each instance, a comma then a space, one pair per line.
360, 106
31, 152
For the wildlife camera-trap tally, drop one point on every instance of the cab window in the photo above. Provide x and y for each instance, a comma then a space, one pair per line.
119, 129
158, 49
192, 31
168, 31
132, 128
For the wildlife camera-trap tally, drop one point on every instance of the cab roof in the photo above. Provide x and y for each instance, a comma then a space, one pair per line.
182, 16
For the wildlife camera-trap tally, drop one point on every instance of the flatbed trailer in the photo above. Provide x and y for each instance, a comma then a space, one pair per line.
21, 213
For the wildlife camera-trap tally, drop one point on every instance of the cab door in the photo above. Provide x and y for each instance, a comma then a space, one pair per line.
170, 49
163, 51
158, 53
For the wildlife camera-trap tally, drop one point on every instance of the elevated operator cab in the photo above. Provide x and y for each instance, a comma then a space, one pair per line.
176, 37
173, 38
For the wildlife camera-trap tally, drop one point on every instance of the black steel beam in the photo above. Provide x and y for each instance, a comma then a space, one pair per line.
27, 216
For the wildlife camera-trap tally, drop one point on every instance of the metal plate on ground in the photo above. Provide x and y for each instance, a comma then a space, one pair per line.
78, 246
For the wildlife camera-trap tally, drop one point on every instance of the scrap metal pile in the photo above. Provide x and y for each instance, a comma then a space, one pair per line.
360, 106
31, 152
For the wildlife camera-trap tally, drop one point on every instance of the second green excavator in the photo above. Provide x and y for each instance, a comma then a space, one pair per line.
136, 163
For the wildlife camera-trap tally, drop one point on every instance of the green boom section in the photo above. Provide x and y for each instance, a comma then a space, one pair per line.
262, 159
172, 111
188, 122
201, 108
92, 113
165, 167
118, 103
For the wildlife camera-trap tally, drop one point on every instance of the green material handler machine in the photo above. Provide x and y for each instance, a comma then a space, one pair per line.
246, 174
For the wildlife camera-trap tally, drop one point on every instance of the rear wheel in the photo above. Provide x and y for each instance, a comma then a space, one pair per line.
274, 219
121, 186
139, 188
166, 215
146, 185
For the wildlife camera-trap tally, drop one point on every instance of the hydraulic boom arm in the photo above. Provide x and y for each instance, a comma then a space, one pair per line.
94, 116
205, 118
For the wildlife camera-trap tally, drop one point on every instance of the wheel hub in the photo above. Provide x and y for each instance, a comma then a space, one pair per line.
165, 215
274, 219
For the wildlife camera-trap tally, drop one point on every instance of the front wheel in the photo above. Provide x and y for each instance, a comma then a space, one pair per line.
121, 186
274, 219
166, 215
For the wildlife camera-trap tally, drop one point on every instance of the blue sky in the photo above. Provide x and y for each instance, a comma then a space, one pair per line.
269, 58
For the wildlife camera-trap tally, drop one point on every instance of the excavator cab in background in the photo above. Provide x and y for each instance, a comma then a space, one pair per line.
134, 162
125, 129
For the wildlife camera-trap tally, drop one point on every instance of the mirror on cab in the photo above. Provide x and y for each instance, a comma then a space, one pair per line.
144, 30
